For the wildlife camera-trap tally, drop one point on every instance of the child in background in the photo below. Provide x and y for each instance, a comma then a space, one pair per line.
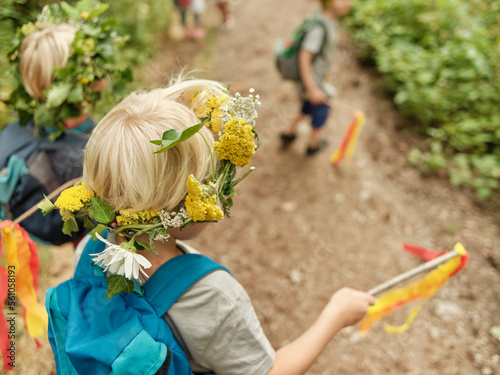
225, 12
196, 7
44, 149
315, 65
168, 197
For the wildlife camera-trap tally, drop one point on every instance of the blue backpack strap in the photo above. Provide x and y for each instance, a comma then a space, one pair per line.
179, 273
86, 268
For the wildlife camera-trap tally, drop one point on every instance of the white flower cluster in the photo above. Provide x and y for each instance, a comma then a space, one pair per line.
120, 261
243, 108
173, 219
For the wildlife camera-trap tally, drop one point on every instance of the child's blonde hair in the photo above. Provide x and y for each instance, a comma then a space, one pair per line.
120, 165
41, 53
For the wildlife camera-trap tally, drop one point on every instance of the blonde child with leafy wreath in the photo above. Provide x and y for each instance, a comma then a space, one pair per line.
43, 149
214, 320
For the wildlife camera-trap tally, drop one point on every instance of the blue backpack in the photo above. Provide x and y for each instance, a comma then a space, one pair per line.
127, 333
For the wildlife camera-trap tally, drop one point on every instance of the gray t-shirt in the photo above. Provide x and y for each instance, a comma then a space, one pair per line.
323, 57
216, 324
219, 327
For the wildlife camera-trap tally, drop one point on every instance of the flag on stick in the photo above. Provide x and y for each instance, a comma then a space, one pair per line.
348, 145
423, 289
19, 277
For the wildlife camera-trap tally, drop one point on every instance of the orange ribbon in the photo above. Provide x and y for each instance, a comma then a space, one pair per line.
422, 289
350, 140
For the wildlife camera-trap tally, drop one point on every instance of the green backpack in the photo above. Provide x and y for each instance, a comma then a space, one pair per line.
286, 50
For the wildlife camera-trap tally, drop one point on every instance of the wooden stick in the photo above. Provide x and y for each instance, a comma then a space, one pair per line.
52, 195
415, 271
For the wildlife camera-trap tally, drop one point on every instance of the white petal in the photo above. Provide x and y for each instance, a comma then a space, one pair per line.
143, 261
135, 270
129, 260
104, 240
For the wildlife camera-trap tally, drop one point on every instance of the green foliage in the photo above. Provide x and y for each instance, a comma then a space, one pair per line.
440, 62
141, 21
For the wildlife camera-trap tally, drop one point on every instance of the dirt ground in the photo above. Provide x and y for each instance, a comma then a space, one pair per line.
300, 229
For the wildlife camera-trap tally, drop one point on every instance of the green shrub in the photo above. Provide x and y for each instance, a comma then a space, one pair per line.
440, 62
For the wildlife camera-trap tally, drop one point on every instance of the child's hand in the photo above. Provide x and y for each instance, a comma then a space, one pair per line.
317, 96
349, 305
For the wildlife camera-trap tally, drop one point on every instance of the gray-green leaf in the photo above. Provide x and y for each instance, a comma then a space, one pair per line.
103, 213
173, 137
58, 93
70, 226
118, 284
46, 206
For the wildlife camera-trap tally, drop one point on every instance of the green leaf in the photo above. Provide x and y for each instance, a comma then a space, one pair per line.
103, 213
46, 206
152, 246
87, 223
100, 228
76, 95
43, 116
173, 137
58, 93
70, 226
118, 284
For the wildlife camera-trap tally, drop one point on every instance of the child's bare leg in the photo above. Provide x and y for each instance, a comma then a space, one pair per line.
289, 135
314, 138
295, 123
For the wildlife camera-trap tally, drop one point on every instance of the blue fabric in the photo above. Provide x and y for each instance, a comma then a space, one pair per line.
319, 113
16, 167
92, 335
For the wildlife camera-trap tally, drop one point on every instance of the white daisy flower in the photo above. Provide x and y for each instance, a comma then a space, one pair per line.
120, 261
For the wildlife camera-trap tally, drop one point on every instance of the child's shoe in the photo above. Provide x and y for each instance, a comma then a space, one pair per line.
199, 33
287, 139
313, 151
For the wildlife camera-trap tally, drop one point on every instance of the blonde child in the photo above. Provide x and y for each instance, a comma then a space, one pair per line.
214, 320
44, 148
315, 65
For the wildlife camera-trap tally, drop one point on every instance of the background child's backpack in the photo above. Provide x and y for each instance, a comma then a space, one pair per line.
286, 50
127, 333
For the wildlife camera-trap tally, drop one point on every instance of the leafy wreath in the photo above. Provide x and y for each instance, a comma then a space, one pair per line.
95, 56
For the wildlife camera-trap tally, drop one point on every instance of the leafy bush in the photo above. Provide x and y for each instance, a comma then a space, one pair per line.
440, 62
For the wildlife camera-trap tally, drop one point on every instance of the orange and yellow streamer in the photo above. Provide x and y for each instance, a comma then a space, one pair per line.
423, 289
19, 278
348, 145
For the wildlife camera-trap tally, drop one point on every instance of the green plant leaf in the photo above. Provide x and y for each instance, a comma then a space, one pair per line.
70, 226
173, 137
118, 284
58, 93
103, 213
100, 228
46, 206
87, 223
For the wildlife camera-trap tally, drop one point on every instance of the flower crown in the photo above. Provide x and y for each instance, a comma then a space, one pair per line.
95, 51
232, 121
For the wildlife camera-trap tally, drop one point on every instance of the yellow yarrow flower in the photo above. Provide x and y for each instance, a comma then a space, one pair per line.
212, 107
28, 28
127, 217
84, 81
74, 198
84, 15
200, 205
237, 143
